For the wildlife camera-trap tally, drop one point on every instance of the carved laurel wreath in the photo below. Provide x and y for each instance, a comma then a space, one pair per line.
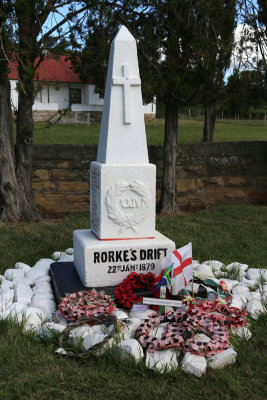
117, 215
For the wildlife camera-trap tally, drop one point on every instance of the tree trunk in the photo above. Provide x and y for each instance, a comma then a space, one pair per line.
9, 203
209, 123
169, 198
16, 200
24, 146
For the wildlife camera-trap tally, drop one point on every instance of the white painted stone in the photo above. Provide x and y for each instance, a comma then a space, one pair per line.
4, 313
77, 334
122, 134
220, 360
42, 286
57, 254
16, 307
256, 273
129, 347
127, 329
34, 317
141, 314
25, 281
35, 273
250, 283
69, 251
95, 338
238, 302
44, 294
61, 351
23, 293
47, 305
43, 278
241, 291
193, 364
66, 258
214, 265
163, 360
254, 296
14, 273
203, 271
237, 266
16, 317
122, 200
2, 278
119, 314
134, 253
44, 263
41, 268
6, 285
242, 333
50, 329
220, 274
254, 308
6, 299
24, 267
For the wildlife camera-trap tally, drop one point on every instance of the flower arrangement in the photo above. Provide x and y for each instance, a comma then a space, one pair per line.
209, 317
124, 291
85, 304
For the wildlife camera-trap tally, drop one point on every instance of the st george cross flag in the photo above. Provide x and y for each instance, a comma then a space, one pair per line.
182, 270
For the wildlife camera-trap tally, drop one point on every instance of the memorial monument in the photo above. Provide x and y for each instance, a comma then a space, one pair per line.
122, 238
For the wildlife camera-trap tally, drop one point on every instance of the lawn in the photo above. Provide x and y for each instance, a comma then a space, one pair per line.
29, 369
190, 131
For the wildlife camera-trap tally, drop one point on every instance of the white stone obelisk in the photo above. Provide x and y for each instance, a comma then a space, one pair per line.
123, 183
122, 134
122, 238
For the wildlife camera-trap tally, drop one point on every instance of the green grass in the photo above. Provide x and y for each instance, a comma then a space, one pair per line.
29, 369
190, 131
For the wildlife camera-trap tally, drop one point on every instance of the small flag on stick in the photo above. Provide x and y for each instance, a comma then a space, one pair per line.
166, 278
181, 263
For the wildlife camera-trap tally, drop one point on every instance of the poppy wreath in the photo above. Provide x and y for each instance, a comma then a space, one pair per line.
124, 291
180, 332
85, 304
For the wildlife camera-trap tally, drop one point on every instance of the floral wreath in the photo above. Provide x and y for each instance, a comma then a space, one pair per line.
124, 291
182, 326
85, 304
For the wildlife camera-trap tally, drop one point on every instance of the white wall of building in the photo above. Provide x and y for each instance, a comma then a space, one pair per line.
55, 96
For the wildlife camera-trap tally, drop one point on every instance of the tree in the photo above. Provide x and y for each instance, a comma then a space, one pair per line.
252, 43
26, 45
246, 91
215, 24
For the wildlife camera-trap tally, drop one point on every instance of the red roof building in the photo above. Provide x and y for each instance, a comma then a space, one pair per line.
52, 70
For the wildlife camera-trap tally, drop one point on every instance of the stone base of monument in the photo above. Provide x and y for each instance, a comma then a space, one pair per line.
106, 263
65, 280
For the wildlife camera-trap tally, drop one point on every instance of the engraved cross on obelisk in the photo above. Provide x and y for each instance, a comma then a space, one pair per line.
126, 81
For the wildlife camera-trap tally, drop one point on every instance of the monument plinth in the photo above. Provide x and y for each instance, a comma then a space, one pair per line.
122, 238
